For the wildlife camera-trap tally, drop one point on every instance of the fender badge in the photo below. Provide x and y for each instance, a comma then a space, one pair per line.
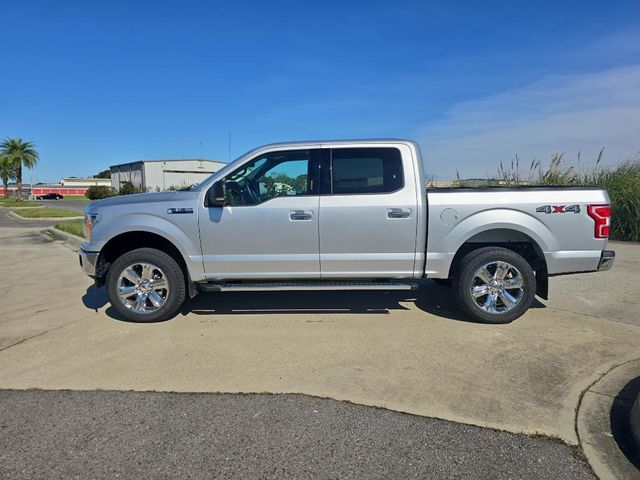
179, 210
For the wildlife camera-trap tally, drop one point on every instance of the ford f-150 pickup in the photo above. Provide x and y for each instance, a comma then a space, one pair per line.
341, 215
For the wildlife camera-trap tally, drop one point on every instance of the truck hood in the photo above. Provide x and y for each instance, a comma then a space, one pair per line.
141, 198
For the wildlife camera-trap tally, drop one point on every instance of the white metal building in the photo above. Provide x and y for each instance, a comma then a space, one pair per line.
84, 182
157, 175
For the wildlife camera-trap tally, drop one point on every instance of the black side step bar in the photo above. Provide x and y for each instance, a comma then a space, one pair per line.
304, 285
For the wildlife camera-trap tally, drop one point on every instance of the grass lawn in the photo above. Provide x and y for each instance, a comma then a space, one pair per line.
45, 213
11, 202
74, 227
75, 198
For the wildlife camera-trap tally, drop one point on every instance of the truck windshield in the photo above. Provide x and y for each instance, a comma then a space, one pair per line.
222, 171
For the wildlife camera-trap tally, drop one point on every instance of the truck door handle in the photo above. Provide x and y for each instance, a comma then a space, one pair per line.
398, 212
301, 214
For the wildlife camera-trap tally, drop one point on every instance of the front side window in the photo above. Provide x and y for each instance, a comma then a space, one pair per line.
366, 170
275, 174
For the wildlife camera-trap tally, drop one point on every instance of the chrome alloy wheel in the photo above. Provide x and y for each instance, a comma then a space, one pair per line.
497, 287
142, 288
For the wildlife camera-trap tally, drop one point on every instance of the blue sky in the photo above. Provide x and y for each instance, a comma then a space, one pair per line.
96, 83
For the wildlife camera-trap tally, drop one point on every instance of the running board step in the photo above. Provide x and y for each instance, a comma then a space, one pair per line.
311, 285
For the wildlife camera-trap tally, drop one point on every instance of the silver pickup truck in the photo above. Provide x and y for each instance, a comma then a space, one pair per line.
341, 215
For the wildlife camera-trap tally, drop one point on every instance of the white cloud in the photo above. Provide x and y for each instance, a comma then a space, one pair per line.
557, 114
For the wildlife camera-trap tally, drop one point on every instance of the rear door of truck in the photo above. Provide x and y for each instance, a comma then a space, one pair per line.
368, 218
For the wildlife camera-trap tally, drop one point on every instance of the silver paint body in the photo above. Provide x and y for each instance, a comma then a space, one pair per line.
351, 236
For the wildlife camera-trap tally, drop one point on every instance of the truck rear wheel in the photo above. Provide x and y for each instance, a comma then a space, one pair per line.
494, 285
146, 285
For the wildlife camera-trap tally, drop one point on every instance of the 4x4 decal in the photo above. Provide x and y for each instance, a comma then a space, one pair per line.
558, 209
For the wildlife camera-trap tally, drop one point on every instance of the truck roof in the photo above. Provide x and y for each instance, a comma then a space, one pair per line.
359, 141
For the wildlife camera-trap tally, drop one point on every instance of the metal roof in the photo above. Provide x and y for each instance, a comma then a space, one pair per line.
169, 160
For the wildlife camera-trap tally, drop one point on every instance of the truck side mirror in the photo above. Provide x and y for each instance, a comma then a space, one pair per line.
217, 194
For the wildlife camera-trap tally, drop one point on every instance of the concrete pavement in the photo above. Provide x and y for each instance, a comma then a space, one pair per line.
613, 295
410, 352
603, 423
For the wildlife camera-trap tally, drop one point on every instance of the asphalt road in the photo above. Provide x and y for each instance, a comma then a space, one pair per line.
47, 434
73, 205
7, 221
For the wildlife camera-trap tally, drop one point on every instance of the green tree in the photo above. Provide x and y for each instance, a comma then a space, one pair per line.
21, 154
7, 172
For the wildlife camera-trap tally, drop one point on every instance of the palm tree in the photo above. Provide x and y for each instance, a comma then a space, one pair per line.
20, 153
7, 172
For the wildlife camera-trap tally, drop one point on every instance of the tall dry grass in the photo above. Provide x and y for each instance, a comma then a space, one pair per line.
623, 186
621, 182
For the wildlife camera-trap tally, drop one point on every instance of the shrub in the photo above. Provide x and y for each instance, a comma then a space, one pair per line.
128, 188
96, 192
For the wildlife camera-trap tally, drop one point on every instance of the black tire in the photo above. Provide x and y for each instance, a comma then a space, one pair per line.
466, 278
173, 274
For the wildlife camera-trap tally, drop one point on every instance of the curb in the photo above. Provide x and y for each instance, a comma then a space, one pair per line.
72, 240
24, 208
607, 418
635, 422
39, 219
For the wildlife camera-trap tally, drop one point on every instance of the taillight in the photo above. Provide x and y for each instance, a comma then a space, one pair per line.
601, 214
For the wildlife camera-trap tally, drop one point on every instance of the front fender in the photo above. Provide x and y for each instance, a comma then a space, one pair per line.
184, 236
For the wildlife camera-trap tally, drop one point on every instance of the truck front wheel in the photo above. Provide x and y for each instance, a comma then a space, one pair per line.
494, 285
146, 285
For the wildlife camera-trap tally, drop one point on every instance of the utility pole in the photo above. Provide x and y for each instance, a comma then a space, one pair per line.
229, 154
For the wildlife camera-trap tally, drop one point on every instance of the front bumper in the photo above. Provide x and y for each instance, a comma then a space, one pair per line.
606, 260
88, 262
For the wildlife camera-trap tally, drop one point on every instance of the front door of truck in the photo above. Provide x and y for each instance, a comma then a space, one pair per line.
269, 225
368, 217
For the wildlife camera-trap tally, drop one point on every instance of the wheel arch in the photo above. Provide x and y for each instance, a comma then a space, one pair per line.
511, 239
127, 241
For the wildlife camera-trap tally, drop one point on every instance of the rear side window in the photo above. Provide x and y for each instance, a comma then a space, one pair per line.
366, 170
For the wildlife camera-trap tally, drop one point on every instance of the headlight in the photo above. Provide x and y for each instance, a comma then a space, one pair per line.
90, 219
